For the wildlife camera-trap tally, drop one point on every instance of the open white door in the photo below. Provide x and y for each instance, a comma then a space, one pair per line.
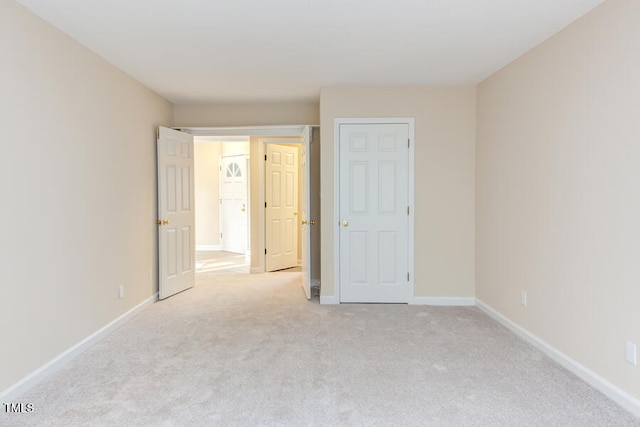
176, 213
306, 222
281, 195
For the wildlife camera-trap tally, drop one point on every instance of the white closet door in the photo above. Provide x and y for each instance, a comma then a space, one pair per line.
374, 190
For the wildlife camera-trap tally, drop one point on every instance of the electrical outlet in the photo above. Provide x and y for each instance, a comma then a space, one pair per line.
523, 298
632, 353
121, 292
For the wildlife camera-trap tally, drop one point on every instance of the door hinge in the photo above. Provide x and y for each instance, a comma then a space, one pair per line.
221, 235
265, 251
265, 157
265, 204
409, 143
407, 210
407, 277
158, 133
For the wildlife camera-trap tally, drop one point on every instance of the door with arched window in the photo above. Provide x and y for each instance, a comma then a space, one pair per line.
233, 203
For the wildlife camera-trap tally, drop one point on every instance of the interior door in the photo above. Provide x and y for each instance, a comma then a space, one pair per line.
281, 196
176, 213
305, 220
374, 202
233, 203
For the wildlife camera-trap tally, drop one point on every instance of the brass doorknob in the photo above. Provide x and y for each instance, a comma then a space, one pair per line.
312, 222
162, 222
243, 208
345, 223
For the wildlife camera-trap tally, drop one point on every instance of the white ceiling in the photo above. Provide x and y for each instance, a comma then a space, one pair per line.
213, 51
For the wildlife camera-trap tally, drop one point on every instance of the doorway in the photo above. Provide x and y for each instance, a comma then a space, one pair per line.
222, 216
307, 138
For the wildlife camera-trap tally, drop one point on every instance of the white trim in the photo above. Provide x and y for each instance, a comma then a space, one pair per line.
58, 362
410, 122
615, 393
410, 226
208, 248
261, 214
329, 299
444, 301
276, 130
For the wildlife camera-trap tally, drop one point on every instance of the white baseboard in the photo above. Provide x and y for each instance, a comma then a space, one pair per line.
615, 393
61, 360
441, 301
207, 248
329, 299
444, 301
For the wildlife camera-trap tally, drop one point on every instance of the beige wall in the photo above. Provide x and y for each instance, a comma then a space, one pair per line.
207, 193
245, 114
558, 172
235, 148
78, 180
444, 195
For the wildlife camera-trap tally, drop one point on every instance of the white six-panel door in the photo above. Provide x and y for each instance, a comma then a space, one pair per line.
281, 196
233, 203
373, 213
176, 213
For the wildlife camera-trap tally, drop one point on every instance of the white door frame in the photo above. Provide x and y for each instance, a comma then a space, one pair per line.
410, 121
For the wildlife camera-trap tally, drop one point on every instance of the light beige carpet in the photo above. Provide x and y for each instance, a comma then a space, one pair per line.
249, 350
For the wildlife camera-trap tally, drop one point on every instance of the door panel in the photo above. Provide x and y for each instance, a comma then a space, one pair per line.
281, 196
176, 215
374, 251
305, 213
